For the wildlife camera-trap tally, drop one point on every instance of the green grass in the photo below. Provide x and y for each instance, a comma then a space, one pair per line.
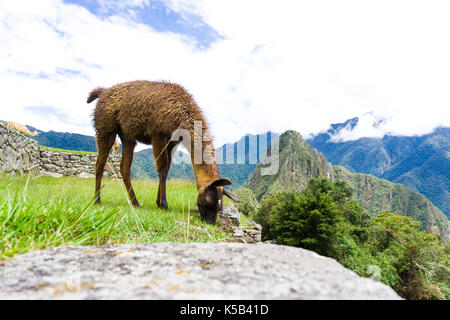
48, 212
69, 151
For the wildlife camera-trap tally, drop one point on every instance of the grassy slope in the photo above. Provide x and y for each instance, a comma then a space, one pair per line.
47, 212
69, 151
376, 195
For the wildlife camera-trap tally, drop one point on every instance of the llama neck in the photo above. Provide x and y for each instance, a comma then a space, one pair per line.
205, 173
203, 155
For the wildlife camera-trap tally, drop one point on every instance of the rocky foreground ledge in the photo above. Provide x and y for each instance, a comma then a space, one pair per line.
183, 271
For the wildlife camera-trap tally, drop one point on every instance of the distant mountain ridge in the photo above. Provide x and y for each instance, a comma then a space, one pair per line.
299, 162
239, 159
66, 140
420, 162
236, 160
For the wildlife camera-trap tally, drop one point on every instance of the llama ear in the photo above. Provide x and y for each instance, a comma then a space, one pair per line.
231, 195
218, 183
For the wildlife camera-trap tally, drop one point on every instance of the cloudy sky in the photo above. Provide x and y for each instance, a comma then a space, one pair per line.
252, 66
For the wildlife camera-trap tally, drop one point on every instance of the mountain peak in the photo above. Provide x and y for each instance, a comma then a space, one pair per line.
291, 134
336, 127
298, 162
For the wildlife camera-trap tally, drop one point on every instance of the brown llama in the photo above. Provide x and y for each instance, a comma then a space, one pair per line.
21, 128
116, 147
149, 112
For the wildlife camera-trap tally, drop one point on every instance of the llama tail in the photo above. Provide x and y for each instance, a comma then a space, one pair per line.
94, 94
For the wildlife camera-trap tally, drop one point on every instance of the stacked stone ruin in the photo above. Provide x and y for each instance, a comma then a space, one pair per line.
250, 233
20, 154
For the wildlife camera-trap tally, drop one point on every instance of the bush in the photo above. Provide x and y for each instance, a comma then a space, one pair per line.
323, 218
420, 259
305, 219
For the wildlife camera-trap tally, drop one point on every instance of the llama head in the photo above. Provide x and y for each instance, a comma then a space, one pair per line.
209, 199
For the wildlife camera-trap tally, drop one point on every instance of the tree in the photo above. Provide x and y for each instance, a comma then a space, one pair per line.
323, 218
306, 219
420, 259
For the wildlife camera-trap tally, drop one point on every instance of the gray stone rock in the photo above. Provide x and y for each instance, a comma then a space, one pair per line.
183, 271
248, 238
84, 174
19, 166
253, 231
50, 167
254, 225
51, 174
59, 163
69, 171
44, 160
238, 232
231, 214
11, 160
26, 160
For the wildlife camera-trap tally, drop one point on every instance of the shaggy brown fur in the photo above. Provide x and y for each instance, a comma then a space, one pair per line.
149, 112
21, 128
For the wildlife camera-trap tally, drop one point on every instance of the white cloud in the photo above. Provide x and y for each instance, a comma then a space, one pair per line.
368, 125
328, 61
280, 65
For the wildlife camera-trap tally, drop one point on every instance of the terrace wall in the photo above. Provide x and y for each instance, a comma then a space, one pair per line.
19, 154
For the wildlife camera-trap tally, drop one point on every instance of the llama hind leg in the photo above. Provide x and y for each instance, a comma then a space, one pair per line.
104, 144
125, 168
162, 166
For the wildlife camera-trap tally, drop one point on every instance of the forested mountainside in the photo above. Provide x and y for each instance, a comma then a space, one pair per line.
299, 162
422, 163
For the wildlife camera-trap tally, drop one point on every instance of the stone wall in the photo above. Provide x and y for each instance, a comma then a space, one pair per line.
57, 164
19, 153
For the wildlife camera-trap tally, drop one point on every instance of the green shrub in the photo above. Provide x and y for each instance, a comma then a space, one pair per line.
418, 256
323, 218
300, 219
